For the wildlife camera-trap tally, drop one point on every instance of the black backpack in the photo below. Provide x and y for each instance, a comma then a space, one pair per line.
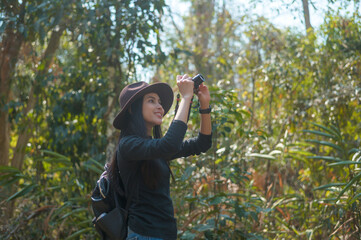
110, 209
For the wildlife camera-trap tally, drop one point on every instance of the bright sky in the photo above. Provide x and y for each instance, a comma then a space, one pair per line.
274, 10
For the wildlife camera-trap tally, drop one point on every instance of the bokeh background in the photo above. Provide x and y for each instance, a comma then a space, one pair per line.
285, 80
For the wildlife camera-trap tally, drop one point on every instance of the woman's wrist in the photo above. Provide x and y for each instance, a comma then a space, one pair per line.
203, 105
187, 97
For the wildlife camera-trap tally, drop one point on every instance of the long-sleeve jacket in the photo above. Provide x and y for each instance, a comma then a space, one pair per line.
151, 212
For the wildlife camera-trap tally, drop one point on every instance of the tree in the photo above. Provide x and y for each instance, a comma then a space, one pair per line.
39, 41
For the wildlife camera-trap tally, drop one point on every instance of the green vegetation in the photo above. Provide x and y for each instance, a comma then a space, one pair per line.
286, 155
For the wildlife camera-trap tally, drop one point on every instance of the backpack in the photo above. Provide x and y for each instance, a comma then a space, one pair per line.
110, 209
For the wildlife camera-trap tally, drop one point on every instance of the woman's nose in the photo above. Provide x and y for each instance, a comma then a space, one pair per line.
159, 106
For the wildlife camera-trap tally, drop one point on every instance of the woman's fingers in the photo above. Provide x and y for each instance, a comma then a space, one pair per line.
186, 77
185, 85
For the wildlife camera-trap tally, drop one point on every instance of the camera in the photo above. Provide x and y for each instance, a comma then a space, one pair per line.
198, 79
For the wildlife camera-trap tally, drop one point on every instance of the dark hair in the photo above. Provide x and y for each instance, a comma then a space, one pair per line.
135, 125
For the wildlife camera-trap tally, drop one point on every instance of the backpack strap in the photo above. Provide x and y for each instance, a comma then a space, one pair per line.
129, 198
170, 170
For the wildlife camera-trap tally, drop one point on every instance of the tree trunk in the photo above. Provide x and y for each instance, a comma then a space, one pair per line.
306, 14
203, 12
10, 48
24, 136
26, 133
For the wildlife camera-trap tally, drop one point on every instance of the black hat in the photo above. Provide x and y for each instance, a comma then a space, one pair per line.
136, 90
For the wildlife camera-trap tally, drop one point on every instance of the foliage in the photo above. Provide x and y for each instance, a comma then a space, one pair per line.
54, 196
286, 118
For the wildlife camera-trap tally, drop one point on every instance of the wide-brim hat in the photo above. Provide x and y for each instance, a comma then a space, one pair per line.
136, 90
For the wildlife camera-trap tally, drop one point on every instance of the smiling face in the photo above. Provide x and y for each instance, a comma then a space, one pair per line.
152, 111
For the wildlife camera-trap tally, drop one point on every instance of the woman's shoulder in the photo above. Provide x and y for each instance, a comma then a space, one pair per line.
129, 138
127, 141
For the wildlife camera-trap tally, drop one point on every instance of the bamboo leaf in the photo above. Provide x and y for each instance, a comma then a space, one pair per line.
93, 168
334, 146
353, 150
355, 198
23, 191
8, 182
97, 164
356, 157
60, 169
350, 183
279, 201
74, 211
60, 209
7, 169
329, 186
337, 131
54, 154
326, 129
321, 134
64, 161
275, 152
78, 233
259, 155
326, 158
343, 163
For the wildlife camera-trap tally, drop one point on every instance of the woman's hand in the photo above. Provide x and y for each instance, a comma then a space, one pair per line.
204, 96
185, 85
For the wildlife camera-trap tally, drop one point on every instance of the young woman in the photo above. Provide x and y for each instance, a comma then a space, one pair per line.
143, 155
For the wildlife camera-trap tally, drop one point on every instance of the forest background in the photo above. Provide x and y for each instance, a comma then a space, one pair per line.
286, 155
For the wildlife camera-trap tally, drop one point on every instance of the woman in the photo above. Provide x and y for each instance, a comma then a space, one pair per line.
143, 154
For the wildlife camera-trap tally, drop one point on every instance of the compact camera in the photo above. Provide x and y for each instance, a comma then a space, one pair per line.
198, 79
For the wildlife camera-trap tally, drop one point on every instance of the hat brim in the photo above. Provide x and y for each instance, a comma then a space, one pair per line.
164, 92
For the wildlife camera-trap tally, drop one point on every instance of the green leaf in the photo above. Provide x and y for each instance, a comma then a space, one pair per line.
74, 211
188, 236
93, 168
349, 184
275, 152
60, 209
355, 198
7, 169
279, 201
217, 200
343, 163
23, 191
328, 186
356, 156
337, 131
54, 154
78, 233
203, 227
334, 146
353, 150
326, 158
321, 134
188, 172
60, 169
8, 182
96, 163
64, 161
327, 129
259, 155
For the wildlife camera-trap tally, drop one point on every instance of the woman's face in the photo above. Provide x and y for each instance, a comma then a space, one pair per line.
152, 111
